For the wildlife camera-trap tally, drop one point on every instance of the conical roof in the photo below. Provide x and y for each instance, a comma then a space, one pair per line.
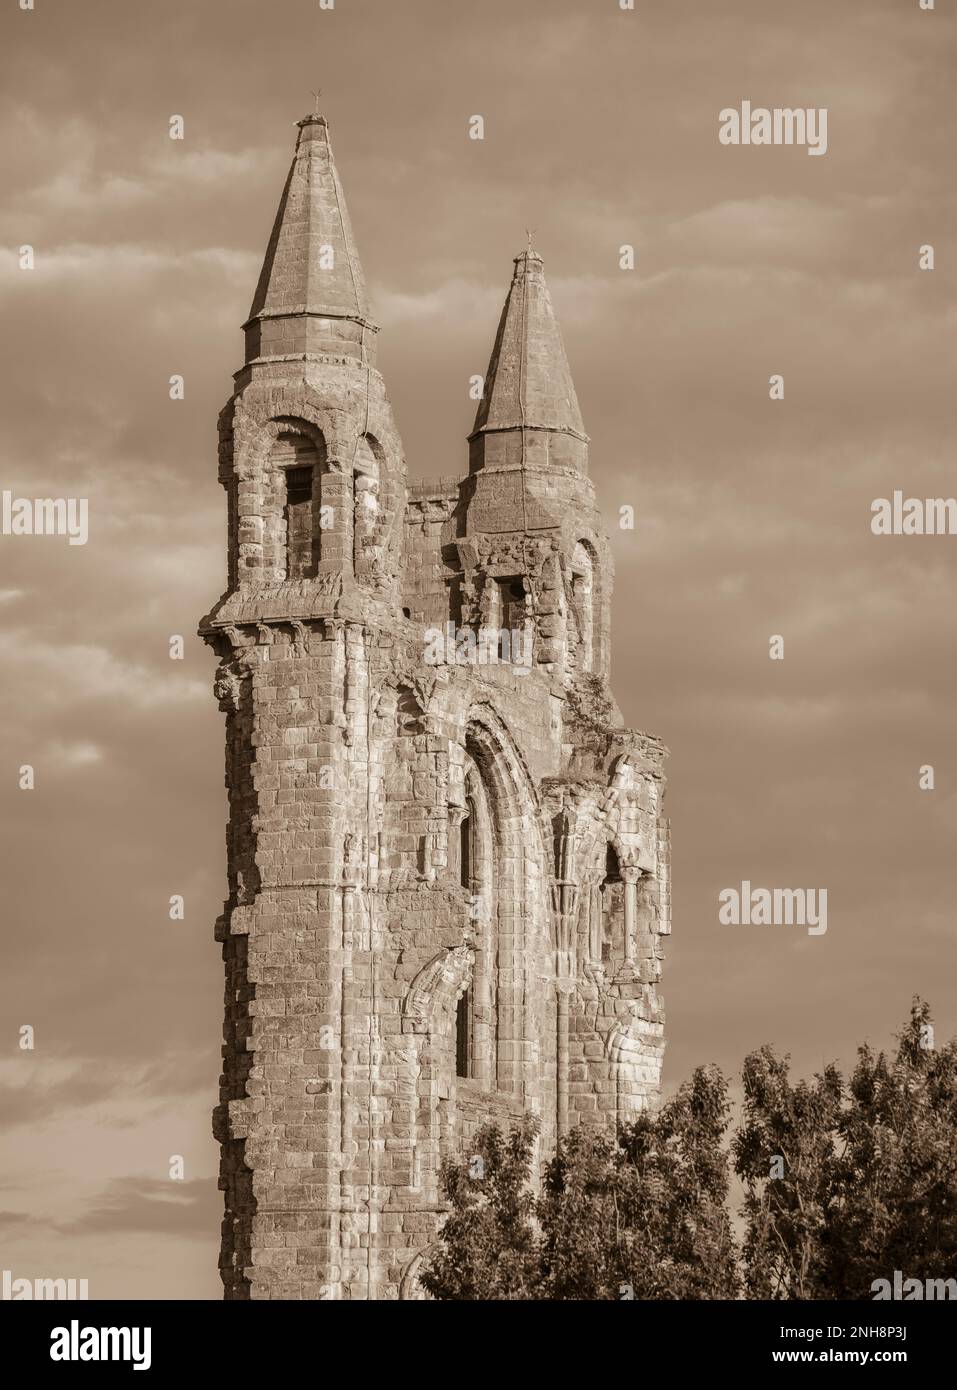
312, 267
529, 383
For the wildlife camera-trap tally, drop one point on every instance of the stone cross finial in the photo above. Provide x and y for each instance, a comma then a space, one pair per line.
316, 95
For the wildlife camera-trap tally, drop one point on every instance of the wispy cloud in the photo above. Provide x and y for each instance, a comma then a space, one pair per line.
139, 1203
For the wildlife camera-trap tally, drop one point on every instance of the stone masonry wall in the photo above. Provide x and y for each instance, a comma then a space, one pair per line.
448, 864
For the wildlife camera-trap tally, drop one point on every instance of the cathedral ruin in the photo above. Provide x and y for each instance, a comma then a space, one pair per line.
448, 874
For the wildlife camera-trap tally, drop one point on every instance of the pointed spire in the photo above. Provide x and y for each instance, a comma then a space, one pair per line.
311, 297
529, 384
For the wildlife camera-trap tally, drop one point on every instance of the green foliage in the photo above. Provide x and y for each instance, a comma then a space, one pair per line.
845, 1182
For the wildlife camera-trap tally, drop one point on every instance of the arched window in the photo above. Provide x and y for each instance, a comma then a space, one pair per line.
583, 597
407, 805
464, 1011
504, 858
612, 909
366, 504
475, 849
297, 458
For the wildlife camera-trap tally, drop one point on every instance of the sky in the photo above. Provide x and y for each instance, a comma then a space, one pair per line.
753, 514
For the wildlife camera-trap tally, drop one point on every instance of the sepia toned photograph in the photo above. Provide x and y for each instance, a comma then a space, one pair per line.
479, 783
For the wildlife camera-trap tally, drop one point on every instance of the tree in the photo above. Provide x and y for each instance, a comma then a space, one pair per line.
895, 1200
489, 1245
784, 1153
644, 1216
847, 1185
637, 1215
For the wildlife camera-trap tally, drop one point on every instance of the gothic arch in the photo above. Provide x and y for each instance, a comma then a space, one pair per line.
512, 940
476, 853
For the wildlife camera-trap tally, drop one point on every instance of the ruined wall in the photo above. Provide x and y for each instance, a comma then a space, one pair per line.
448, 865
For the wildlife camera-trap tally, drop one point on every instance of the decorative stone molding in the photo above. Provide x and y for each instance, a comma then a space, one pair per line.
440, 983
410, 1290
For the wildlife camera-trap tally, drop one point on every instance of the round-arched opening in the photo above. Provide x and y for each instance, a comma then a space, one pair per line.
584, 620
292, 524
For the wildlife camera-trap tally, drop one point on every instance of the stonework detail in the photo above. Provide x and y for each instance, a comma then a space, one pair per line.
448, 884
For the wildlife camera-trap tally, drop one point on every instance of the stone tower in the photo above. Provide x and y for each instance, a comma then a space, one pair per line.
448, 863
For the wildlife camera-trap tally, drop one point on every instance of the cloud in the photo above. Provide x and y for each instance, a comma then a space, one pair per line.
129, 1204
15, 1223
146, 1204
751, 516
76, 188
38, 1090
750, 231
455, 299
75, 264
27, 1102
93, 673
208, 167
74, 754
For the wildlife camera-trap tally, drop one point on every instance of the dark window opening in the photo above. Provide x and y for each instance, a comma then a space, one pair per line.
612, 907
463, 1010
463, 1020
300, 543
512, 603
465, 852
558, 840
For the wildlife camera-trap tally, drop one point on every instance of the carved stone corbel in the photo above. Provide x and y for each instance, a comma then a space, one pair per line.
226, 687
